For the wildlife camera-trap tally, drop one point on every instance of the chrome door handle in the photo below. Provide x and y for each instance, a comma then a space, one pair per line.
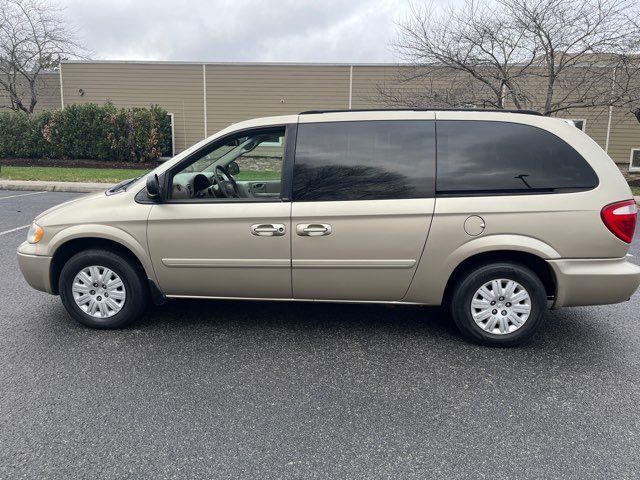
313, 229
268, 229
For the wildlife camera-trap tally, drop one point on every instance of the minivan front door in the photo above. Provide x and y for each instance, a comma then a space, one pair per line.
363, 200
221, 249
215, 235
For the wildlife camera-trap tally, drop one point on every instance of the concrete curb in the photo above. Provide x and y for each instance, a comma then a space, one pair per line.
42, 186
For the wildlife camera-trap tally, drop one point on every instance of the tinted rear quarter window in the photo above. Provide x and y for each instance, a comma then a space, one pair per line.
364, 160
486, 156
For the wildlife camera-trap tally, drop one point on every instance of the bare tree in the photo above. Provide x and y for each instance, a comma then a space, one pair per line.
546, 55
33, 38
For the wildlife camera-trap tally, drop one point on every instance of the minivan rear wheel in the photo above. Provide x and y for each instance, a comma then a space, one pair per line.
499, 304
101, 289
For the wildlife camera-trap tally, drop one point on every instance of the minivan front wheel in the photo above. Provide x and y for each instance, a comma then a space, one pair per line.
101, 289
500, 304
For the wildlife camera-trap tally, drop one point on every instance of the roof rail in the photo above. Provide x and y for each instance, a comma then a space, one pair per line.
492, 110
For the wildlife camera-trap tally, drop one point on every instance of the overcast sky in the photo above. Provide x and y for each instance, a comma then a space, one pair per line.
238, 30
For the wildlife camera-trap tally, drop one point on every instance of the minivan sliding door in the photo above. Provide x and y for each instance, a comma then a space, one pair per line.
363, 199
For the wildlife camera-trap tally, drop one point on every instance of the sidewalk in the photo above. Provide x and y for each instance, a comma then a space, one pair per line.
44, 186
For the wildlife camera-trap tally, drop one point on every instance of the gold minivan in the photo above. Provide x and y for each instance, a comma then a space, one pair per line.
498, 215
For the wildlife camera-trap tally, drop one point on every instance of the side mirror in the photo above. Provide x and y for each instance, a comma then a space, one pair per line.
154, 190
233, 168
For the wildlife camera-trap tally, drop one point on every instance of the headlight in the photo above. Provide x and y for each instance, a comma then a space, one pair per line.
35, 233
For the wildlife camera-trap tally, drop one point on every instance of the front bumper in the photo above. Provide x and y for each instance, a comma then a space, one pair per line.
35, 268
594, 281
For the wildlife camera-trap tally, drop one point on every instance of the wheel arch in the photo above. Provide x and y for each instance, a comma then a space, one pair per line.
66, 244
536, 263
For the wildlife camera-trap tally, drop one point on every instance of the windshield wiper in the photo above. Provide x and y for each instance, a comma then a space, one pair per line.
122, 186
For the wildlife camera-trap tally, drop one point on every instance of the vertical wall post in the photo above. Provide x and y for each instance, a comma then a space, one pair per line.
173, 133
61, 87
204, 90
350, 84
613, 85
184, 125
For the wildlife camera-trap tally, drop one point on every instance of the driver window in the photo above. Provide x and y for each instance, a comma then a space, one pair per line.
245, 166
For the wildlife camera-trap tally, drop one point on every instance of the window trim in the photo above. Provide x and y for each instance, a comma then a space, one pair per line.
168, 175
286, 180
632, 168
272, 144
506, 193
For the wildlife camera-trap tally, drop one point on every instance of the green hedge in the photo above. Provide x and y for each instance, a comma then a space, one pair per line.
87, 131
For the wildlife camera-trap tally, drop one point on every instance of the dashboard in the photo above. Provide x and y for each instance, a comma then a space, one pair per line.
203, 185
191, 185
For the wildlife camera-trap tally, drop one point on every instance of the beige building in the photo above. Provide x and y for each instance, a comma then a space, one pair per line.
205, 97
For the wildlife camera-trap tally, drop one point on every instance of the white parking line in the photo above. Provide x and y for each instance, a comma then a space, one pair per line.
22, 195
14, 229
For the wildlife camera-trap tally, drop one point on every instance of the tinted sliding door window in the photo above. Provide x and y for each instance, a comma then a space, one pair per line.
365, 160
478, 157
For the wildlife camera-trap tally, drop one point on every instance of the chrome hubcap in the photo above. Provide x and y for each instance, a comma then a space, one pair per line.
501, 306
98, 291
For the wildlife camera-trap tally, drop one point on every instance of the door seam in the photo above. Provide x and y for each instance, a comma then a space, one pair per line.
146, 239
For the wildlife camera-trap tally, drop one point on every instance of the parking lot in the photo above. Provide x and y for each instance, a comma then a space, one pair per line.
277, 390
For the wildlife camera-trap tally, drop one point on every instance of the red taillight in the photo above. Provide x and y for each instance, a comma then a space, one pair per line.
620, 218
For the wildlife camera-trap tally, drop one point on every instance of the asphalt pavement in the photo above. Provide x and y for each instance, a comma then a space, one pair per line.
225, 389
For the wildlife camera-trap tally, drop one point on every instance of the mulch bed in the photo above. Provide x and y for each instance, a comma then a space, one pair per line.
69, 163
632, 177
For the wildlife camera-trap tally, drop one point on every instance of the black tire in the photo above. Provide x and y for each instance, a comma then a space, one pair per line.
136, 289
470, 283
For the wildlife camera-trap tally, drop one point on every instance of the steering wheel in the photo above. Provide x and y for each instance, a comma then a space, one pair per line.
228, 187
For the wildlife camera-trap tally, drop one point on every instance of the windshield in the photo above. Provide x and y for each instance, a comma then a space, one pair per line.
225, 154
